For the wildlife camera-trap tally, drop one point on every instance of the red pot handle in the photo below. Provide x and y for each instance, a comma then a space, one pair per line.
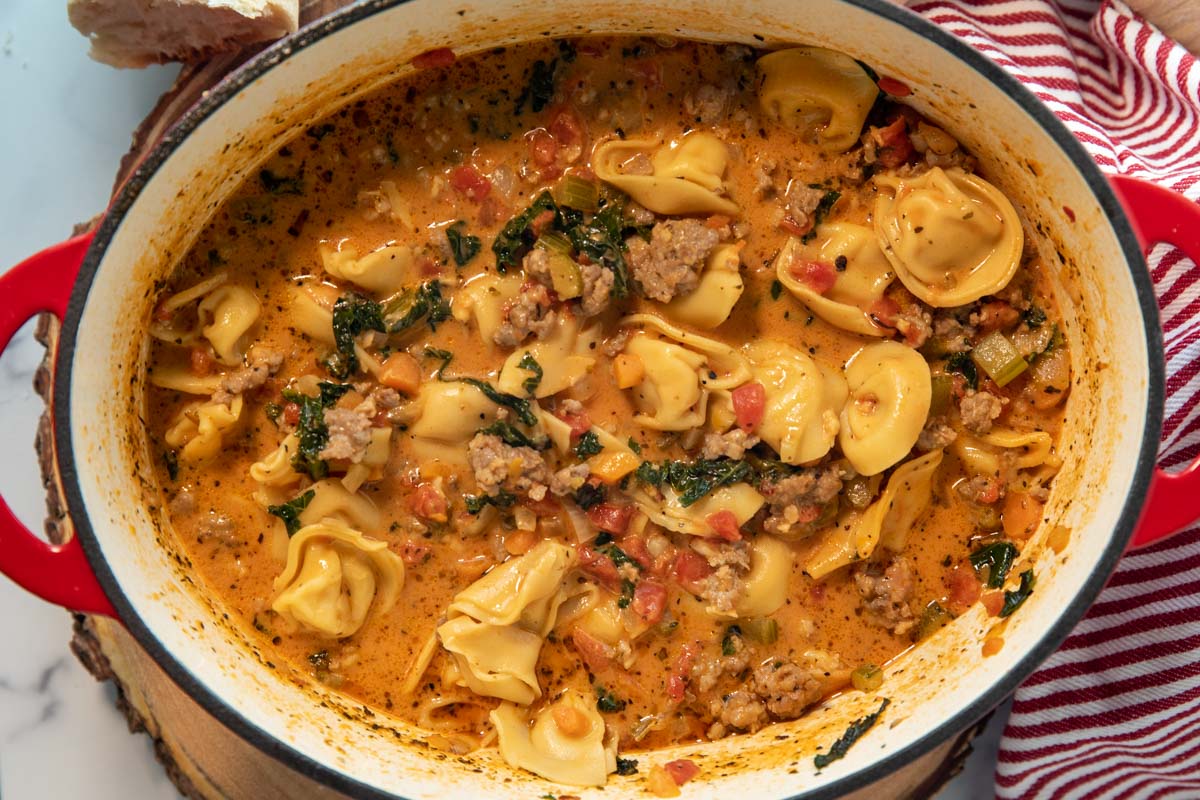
1160, 215
59, 574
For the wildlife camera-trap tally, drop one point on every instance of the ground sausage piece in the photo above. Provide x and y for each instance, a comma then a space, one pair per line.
979, 410
500, 466
936, 435
220, 528
953, 336
724, 586
568, 479
787, 688
263, 364
800, 201
349, 434
670, 263
537, 266
742, 710
887, 594
797, 499
597, 288
707, 104
764, 179
732, 444
530, 312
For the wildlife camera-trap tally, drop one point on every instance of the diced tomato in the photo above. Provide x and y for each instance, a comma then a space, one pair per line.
963, 586
997, 315
579, 423
428, 267
993, 602
895, 147
595, 654
201, 361
789, 225
291, 413
749, 401
681, 770
649, 601
635, 548
894, 87
432, 59
725, 525
566, 128
543, 147
610, 518
649, 70
691, 569
163, 314
413, 553
427, 501
681, 671
820, 276
468, 181
597, 565
884, 312
989, 491
548, 506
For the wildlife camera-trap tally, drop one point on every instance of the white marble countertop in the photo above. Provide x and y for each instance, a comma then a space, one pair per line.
69, 122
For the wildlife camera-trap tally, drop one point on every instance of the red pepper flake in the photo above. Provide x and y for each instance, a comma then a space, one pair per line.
435, 59
894, 87
1070, 212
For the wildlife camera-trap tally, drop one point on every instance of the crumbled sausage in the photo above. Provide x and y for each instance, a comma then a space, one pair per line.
798, 499
670, 263
764, 178
887, 594
219, 528
731, 444
263, 363
952, 335
981, 489
530, 312
800, 201
725, 585
707, 104
568, 479
979, 410
741, 710
915, 323
349, 434
936, 434
597, 288
787, 687
501, 466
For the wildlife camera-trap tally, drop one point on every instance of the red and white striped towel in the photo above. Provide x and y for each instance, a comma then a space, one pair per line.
1116, 712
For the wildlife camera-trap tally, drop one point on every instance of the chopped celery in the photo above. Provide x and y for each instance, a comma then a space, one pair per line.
942, 388
576, 192
565, 276
553, 242
999, 358
867, 678
762, 630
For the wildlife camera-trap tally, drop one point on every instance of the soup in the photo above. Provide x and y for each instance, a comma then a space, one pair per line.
585, 397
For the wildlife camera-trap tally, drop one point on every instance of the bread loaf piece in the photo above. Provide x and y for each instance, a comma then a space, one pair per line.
134, 33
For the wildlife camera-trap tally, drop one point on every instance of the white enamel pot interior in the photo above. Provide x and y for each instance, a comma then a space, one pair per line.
936, 690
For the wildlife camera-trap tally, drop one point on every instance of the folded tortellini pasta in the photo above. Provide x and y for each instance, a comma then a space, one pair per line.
334, 576
766, 585
860, 284
200, 429
331, 500
565, 357
951, 236
890, 392
822, 94
565, 742
803, 398
887, 521
384, 271
310, 311
179, 378
483, 299
450, 413
685, 176
991, 453
226, 316
740, 499
719, 289
494, 660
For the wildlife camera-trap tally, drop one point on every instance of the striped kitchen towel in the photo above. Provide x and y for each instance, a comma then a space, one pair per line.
1115, 713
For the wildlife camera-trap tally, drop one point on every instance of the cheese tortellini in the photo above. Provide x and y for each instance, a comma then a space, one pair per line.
719, 289
740, 499
179, 378
800, 419
685, 176
450, 413
886, 522
766, 585
310, 311
859, 285
951, 236
384, 271
334, 576
566, 742
565, 357
202, 428
981, 454
483, 299
818, 93
890, 392
226, 316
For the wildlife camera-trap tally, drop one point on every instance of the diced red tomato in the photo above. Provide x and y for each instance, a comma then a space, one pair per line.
428, 267
989, 491
635, 548
649, 70
681, 671
548, 506
468, 181
595, 653
598, 565
579, 423
201, 361
997, 315
163, 314
427, 501
820, 276
414, 553
964, 588
894, 87
725, 525
566, 128
681, 770
884, 312
610, 518
291, 413
749, 402
543, 147
432, 59
540, 222
895, 147
789, 225
691, 569
993, 602
649, 601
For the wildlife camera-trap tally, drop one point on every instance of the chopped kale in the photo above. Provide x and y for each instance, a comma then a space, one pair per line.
590, 495
828, 200
693, 480
413, 305
530, 365
1013, 600
513, 437
998, 559
588, 445
627, 766
319, 661
965, 366
353, 314
601, 240
634, 446
517, 405
853, 733
517, 234
311, 431
1034, 317
289, 512
627, 589
445, 356
648, 474
477, 502
872, 74
539, 87
273, 411
776, 289
278, 184
608, 702
330, 393
604, 545
729, 642
463, 246
172, 462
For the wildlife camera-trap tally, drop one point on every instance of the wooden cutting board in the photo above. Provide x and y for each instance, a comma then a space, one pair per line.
199, 754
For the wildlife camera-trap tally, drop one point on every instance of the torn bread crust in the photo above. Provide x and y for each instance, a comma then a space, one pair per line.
136, 33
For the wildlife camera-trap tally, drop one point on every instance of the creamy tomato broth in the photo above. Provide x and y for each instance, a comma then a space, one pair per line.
585, 397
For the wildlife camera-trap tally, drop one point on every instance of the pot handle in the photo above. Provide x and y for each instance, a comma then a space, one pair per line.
59, 574
1160, 215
